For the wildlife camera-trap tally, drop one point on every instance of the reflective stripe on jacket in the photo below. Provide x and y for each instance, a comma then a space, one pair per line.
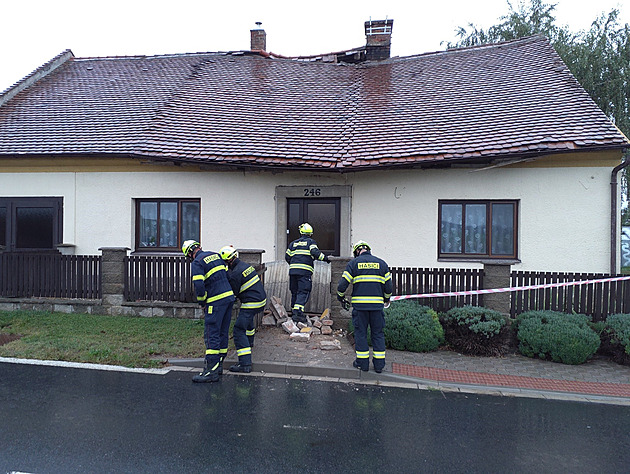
300, 256
209, 275
371, 282
247, 286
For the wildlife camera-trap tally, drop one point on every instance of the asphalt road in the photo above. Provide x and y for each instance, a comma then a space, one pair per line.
68, 420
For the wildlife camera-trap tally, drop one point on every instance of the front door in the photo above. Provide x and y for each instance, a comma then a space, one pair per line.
323, 214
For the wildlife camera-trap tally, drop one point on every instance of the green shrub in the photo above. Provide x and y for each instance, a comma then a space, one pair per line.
619, 327
475, 330
616, 338
412, 327
555, 336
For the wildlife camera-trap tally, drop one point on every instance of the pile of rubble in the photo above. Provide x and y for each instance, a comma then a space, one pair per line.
316, 325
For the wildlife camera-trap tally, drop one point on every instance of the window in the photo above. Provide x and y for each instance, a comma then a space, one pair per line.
31, 223
322, 214
164, 224
478, 229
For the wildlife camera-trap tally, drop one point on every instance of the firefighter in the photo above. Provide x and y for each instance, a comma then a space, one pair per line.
214, 294
248, 288
300, 255
371, 290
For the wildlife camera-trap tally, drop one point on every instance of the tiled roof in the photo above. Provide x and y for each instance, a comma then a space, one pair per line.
506, 100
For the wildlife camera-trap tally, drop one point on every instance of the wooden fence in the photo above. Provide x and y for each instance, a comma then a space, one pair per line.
151, 278
52, 275
596, 299
414, 281
168, 278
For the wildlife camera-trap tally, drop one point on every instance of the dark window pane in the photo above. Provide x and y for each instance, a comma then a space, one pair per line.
294, 219
168, 224
451, 228
148, 224
34, 228
322, 217
3, 226
503, 229
475, 228
190, 221
322, 214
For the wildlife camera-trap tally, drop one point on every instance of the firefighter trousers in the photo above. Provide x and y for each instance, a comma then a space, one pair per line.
361, 319
300, 286
216, 332
242, 325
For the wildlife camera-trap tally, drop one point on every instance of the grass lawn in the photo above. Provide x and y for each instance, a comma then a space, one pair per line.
116, 340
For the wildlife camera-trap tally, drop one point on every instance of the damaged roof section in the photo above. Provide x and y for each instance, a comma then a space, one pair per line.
255, 109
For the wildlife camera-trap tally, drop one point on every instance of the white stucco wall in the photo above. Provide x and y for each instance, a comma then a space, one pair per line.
564, 213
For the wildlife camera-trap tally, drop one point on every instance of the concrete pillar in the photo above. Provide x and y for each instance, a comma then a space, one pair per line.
251, 256
113, 275
497, 275
339, 316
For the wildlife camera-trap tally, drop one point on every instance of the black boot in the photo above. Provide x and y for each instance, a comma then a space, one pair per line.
207, 375
245, 369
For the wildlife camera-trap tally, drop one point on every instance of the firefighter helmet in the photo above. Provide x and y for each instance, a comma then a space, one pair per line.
306, 229
361, 244
228, 253
189, 247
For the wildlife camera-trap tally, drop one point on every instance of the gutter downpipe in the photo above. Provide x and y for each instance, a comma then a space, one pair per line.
613, 216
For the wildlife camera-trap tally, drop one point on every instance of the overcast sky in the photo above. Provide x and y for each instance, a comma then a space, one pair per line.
34, 31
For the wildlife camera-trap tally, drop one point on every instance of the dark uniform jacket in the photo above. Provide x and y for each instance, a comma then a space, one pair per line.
371, 282
300, 256
246, 284
209, 274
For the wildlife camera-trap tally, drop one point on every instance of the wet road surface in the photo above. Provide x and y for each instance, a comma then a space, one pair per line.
55, 419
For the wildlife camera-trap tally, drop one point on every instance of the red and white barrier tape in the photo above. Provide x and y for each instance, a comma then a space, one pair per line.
504, 290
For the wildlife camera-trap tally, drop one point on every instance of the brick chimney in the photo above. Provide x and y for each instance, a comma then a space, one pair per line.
379, 39
259, 38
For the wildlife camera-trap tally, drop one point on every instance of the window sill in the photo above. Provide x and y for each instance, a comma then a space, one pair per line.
485, 261
157, 253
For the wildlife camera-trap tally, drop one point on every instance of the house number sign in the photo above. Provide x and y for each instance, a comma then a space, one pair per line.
312, 191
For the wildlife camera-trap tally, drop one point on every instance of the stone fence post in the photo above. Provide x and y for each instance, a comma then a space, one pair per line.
251, 256
497, 275
113, 277
340, 316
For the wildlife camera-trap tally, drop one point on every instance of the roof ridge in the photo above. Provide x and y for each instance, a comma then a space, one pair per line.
35, 76
526, 39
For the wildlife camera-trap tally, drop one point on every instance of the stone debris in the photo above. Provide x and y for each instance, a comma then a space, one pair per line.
328, 345
268, 319
300, 336
326, 330
277, 309
318, 325
290, 327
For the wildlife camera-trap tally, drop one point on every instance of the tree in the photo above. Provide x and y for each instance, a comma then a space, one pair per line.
598, 58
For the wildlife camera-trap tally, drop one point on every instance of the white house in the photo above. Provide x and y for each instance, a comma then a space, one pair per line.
444, 159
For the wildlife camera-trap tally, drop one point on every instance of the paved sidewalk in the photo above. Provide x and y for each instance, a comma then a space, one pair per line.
598, 380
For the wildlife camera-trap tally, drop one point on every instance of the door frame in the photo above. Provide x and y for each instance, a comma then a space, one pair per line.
342, 192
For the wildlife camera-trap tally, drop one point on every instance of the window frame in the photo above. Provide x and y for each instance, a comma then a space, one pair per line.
462, 255
304, 203
180, 238
12, 204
